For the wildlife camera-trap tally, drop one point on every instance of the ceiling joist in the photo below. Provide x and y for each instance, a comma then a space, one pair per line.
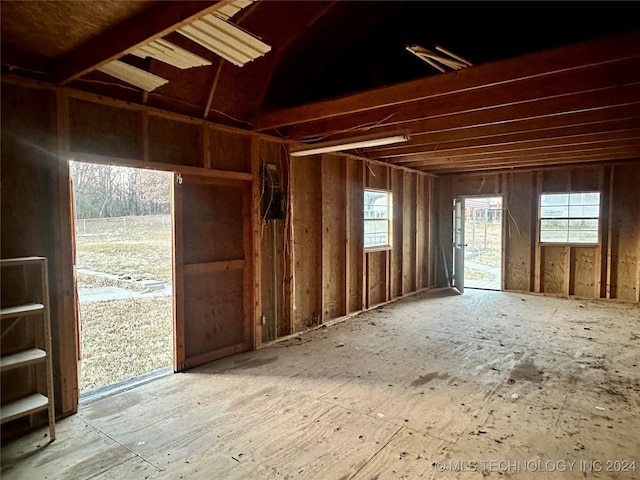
540, 65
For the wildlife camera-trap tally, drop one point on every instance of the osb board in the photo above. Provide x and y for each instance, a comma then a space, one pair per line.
519, 219
625, 226
377, 273
48, 19
479, 184
556, 180
104, 130
28, 159
355, 225
307, 234
333, 236
586, 178
175, 142
397, 182
214, 311
377, 176
582, 279
409, 233
553, 268
17, 383
18, 282
232, 151
30, 213
213, 222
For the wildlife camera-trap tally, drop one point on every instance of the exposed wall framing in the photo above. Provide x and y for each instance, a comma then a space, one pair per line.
333, 274
44, 126
607, 270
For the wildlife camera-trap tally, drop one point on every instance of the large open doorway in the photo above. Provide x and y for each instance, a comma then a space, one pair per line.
124, 275
483, 242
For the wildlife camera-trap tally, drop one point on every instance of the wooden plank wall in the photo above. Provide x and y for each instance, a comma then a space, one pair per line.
608, 270
35, 209
333, 275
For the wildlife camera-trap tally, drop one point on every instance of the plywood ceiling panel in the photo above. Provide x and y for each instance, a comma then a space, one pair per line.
54, 28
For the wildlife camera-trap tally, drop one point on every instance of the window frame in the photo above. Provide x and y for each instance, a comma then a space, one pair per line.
569, 218
388, 245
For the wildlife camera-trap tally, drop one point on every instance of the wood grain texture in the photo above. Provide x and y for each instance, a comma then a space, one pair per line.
370, 397
355, 226
519, 222
625, 228
333, 236
553, 267
306, 237
583, 272
397, 264
110, 131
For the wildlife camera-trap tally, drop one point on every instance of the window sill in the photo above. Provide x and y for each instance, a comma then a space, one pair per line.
567, 244
382, 248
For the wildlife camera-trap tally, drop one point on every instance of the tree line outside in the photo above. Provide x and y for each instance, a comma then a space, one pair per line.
104, 191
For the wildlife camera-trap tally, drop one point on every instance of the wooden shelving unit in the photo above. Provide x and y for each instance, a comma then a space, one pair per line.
34, 287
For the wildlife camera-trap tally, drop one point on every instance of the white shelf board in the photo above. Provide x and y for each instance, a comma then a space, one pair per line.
23, 406
21, 359
19, 310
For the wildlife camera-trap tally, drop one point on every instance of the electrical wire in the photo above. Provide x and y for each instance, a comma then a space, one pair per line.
164, 97
360, 128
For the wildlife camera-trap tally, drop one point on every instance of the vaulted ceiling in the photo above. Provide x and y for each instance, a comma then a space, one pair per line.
522, 84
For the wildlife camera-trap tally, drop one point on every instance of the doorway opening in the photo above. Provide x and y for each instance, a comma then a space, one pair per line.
124, 275
483, 242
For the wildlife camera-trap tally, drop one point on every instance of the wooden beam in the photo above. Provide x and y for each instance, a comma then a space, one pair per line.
177, 224
257, 236
580, 122
167, 167
558, 136
523, 166
426, 119
541, 65
212, 90
158, 21
507, 160
63, 268
567, 144
558, 89
537, 261
496, 154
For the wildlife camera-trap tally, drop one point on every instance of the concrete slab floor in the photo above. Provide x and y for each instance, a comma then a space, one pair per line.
438, 385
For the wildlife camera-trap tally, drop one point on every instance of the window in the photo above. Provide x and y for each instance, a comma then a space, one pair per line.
569, 217
377, 218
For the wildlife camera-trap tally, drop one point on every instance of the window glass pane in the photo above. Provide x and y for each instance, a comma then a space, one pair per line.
554, 212
569, 217
583, 224
376, 226
586, 211
554, 224
556, 236
554, 199
377, 216
583, 236
585, 198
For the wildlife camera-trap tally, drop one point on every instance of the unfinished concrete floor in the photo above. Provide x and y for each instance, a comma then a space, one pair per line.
417, 389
